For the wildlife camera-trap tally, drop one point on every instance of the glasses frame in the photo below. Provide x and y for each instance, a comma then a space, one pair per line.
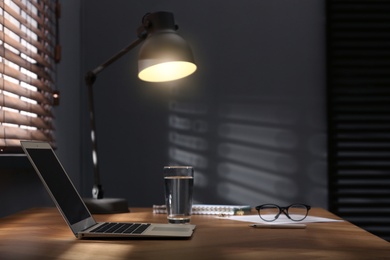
283, 210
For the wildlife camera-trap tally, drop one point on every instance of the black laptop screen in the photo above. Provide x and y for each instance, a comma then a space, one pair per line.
59, 184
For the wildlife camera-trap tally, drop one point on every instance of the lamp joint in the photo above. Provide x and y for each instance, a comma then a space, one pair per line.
90, 78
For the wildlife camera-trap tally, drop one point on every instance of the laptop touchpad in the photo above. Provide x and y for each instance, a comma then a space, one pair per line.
171, 229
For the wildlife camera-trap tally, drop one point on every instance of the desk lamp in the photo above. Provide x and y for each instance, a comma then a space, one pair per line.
164, 56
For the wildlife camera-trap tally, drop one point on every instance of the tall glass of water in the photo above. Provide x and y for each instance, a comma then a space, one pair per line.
179, 182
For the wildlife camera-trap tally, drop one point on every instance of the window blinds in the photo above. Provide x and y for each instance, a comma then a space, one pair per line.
359, 112
28, 53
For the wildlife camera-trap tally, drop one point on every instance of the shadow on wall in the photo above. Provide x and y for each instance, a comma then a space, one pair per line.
250, 151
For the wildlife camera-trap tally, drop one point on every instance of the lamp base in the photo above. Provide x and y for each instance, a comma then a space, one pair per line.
106, 206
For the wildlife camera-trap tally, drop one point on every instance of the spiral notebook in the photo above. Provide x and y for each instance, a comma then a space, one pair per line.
210, 209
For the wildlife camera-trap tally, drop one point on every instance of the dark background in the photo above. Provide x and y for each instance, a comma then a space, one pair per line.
251, 120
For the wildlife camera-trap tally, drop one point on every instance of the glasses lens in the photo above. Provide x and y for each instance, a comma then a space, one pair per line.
269, 212
297, 212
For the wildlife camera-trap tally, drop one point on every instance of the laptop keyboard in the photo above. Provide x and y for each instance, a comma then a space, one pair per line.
121, 228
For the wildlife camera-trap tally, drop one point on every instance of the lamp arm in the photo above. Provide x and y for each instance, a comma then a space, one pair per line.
90, 77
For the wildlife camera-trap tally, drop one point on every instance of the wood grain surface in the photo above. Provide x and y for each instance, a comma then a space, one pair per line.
41, 233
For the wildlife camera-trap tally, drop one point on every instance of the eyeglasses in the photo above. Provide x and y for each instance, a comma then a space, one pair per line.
295, 212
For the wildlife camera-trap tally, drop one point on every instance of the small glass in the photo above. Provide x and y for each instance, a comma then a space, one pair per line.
178, 182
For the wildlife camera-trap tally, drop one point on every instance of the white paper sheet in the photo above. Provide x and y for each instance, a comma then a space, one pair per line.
281, 220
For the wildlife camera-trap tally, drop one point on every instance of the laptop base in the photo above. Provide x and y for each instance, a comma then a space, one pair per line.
107, 205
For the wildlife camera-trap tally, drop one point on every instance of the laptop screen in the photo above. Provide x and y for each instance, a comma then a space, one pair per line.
59, 184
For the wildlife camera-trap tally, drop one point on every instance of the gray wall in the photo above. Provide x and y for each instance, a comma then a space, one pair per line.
251, 120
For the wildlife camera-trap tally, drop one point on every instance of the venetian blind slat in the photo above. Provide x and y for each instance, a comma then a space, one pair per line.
23, 92
39, 45
18, 104
10, 56
44, 26
12, 118
14, 73
14, 135
23, 49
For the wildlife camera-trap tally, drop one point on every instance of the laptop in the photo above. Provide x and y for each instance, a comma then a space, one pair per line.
75, 212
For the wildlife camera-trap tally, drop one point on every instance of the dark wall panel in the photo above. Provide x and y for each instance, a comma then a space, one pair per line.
359, 112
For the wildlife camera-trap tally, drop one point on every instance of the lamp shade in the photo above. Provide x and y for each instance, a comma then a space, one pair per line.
165, 56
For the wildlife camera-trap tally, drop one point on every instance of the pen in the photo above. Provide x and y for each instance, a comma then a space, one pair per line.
284, 226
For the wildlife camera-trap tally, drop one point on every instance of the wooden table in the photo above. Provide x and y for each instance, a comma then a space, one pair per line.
42, 234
